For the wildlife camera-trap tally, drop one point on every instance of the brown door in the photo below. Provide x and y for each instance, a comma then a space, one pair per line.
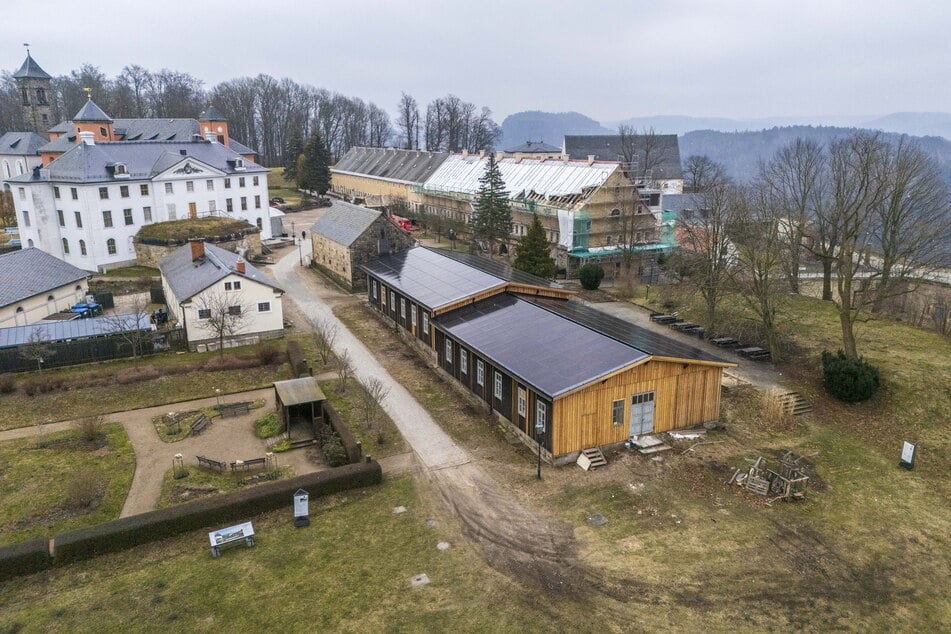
192, 210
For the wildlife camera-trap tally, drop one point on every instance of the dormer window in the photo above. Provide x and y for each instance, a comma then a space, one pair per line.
121, 171
239, 164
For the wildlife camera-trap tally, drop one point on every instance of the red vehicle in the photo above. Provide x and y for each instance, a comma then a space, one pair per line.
403, 223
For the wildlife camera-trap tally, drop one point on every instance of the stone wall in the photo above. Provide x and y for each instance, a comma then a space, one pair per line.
151, 254
366, 248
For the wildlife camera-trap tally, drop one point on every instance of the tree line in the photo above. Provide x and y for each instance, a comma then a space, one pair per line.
265, 112
873, 213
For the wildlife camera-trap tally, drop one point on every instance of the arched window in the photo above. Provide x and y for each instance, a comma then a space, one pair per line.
6, 170
615, 212
82, 247
131, 244
78, 288
65, 246
20, 168
50, 298
111, 246
29, 243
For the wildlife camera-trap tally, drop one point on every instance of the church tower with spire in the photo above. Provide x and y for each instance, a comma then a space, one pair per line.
34, 85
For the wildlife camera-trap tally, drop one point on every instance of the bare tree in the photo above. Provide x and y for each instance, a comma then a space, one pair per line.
758, 275
407, 121
130, 327
324, 336
344, 369
700, 171
36, 348
793, 176
223, 315
374, 393
706, 249
643, 153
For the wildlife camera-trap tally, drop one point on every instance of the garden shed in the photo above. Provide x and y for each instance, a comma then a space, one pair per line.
299, 402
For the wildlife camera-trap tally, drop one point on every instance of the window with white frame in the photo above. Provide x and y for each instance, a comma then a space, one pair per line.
212, 205
107, 219
234, 310
172, 215
79, 219
448, 352
373, 289
541, 415
210, 185
480, 373
127, 217
412, 315
244, 203
147, 214
204, 313
22, 193
264, 307
169, 189
403, 308
26, 218
497, 391
241, 182
521, 402
111, 246
189, 186
255, 181
123, 191
65, 246
393, 302
82, 247
61, 217
144, 189
463, 360
425, 323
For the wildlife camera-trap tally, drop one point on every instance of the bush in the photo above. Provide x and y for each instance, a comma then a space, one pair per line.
295, 357
136, 375
84, 489
24, 558
281, 446
268, 355
847, 379
8, 384
591, 276
267, 426
90, 428
218, 364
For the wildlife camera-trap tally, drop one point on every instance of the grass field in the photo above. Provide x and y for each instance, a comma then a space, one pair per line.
277, 186
37, 476
383, 440
203, 482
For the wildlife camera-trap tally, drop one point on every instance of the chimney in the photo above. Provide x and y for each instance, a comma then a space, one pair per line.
481, 153
591, 159
210, 136
239, 266
198, 249
87, 137
465, 153
499, 156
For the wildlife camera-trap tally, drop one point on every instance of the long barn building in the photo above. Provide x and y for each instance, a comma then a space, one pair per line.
538, 360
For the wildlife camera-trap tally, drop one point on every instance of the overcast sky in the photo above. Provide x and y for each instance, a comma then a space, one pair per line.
607, 59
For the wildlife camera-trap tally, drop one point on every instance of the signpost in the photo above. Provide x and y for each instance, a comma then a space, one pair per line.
301, 511
908, 451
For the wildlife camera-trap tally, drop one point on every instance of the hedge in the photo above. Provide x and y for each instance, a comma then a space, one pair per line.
350, 444
127, 532
296, 358
24, 558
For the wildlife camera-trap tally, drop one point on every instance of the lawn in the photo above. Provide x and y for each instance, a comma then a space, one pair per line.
204, 482
39, 479
135, 271
349, 571
278, 187
103, 388
383, 440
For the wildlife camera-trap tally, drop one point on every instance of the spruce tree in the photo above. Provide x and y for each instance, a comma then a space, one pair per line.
493, 217
533, 254
314, 171
294, 149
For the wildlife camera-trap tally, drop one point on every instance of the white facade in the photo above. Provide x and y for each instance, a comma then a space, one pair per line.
12, 165
261, 308
92, 225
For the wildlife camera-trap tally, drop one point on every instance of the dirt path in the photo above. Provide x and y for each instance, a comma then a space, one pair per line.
515, 538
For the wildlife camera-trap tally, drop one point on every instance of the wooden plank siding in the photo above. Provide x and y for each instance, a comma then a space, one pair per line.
404, 319
685, 394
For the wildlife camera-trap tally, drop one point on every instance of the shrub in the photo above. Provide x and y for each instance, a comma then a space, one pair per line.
136, 375
333, 451
218, 364
90, 428
24, 558
84, 489
268, 355
267, 426
591, 276
8, 384
281, 446
847, 379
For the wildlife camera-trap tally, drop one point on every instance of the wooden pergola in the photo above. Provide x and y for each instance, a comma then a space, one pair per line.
298, 397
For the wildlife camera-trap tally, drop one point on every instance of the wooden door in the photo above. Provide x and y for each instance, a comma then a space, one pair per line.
192, 210
642, 413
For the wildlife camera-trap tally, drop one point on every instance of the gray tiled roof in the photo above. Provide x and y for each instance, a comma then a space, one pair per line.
211, 114
187, 278
31, 70
91, 112
408, 166
607, 147
534, 146
344, 223
143, 159
549, 352
30, 272
140, 130
73, 329
21, 143
681, 202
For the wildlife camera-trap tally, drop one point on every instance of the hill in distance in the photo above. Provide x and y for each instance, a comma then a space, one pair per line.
548, 127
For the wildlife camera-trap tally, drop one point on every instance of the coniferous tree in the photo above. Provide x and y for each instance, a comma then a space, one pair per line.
314, 171
533, 254
493, 217
294, 149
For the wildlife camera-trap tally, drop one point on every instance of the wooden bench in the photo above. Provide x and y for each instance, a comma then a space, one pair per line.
231, 535
208, 463
724, 342
664, 319
199, 425
234, 409
247, 465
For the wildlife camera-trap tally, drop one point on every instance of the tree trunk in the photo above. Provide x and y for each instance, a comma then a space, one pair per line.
827, 280
848, 335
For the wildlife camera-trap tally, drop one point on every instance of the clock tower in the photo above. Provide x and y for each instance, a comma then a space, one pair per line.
33, 84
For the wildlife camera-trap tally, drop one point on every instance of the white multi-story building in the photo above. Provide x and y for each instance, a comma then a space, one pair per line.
88, 204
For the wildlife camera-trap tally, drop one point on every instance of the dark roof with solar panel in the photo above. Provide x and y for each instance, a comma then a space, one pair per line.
650, 342
539, 347
498, 269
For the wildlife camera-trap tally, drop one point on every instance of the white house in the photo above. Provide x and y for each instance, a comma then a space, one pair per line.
34, 284
19, 154
87, 205
205, 285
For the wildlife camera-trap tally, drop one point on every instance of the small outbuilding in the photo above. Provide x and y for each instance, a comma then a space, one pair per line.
299, 401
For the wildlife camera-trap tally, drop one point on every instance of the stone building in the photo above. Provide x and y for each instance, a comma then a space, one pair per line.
348, 236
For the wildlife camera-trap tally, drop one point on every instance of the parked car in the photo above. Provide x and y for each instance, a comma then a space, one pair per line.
277, 200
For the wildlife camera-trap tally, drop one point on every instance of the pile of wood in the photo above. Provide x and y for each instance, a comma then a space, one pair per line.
788, 483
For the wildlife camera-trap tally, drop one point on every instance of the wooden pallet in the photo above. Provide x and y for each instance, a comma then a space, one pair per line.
795, 404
